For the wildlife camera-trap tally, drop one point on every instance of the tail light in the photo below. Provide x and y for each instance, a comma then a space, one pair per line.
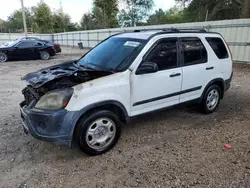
54, 48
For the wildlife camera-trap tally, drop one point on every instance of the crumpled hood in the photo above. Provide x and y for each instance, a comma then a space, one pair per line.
61, 76
42, 76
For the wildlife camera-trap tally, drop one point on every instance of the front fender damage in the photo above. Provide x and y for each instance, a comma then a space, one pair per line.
57, 77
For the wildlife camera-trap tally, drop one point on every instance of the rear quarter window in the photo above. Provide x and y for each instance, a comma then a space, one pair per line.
218, 47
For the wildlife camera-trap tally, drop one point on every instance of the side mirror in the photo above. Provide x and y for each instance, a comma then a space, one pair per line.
147, 67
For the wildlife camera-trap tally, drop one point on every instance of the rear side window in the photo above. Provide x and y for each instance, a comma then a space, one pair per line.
193, 50
38, 44
218, 47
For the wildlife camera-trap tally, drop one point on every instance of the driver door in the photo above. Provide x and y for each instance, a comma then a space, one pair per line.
24, 50
152, 91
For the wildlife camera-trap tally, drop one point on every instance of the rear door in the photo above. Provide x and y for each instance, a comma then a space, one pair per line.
37, 46
197, 69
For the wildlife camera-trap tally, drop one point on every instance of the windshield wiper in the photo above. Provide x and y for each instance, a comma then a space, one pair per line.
82, 66
89, 68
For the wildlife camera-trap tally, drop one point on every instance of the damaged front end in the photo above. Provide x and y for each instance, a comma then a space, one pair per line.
57, 77
43, 111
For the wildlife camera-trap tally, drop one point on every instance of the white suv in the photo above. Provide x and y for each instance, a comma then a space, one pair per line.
126, 75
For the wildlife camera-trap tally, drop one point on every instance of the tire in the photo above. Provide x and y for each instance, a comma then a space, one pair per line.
44, 55
211, 99
3, 57
98, 132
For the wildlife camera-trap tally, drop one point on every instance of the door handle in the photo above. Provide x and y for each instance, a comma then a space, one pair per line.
209, 68
174, 75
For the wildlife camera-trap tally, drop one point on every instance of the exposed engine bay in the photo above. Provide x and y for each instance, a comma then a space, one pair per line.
57, 77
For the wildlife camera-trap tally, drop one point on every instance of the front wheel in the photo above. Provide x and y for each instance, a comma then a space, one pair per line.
44, 55
99, 132
211, 99
3, 57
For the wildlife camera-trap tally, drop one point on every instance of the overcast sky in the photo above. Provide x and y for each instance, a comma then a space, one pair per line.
75, 8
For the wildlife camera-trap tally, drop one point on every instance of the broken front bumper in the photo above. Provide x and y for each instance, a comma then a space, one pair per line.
51, 126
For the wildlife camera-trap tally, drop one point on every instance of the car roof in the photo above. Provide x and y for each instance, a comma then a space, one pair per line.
33, 39
147, 34
137, 35
29, 40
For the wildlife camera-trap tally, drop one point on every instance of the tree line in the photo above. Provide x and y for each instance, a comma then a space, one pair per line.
39, 19
106, 14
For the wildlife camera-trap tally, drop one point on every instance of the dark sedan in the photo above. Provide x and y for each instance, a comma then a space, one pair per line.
26, 49
57, 46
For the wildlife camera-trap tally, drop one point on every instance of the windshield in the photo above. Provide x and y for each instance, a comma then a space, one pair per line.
114, 54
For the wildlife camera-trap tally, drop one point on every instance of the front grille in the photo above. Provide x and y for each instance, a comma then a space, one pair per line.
30, 94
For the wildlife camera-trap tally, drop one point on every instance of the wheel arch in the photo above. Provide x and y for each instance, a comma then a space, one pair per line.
6, 52
217, 81
111, 105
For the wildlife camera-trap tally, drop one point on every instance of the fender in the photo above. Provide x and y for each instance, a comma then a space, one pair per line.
81, 112
216, 80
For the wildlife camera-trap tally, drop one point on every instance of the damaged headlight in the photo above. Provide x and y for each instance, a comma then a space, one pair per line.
55, 100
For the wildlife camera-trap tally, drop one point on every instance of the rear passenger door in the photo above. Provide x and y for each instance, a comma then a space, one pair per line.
197, 70
37, 46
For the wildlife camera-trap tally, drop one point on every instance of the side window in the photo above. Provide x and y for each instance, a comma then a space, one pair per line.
25, 44
193, 50
164, 54
38, 44
218, 47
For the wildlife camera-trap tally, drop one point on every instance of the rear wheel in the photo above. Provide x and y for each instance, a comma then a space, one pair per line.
44, 55
3, 57
211, 99
99, 132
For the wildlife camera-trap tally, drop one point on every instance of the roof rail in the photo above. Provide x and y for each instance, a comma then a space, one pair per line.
157, 29
174, 30
199, 30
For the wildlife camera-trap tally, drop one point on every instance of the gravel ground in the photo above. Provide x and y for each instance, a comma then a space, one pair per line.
178, 147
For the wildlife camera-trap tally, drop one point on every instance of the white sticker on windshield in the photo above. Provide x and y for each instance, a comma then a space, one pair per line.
132, 43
